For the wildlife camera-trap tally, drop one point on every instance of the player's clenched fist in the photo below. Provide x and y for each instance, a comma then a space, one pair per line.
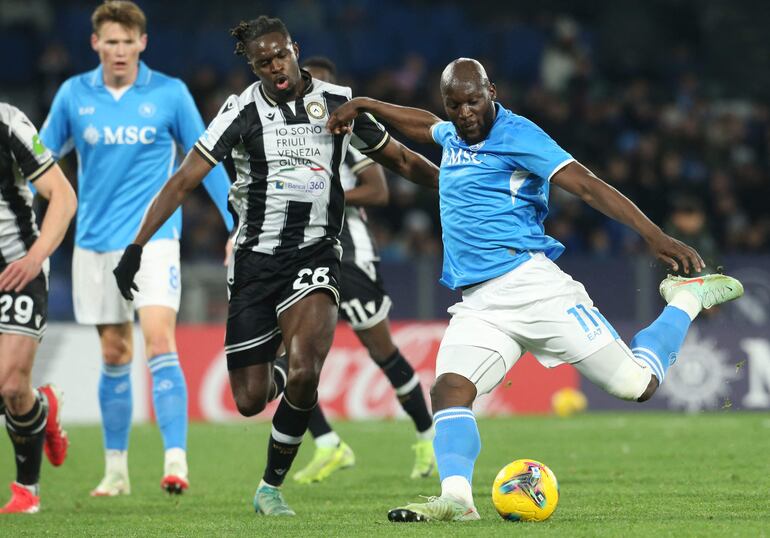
340, 120
127, 269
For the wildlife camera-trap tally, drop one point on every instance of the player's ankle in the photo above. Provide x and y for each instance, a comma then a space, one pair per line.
328, 440
458, 489
688, 302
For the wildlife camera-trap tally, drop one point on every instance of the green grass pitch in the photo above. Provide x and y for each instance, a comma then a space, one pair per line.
624, 475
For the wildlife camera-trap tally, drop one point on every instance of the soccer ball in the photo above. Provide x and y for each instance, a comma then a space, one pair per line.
525, 490
567, 402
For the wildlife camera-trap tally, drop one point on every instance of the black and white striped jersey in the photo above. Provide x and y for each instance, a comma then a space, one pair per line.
358, 244
287, 191
23, 158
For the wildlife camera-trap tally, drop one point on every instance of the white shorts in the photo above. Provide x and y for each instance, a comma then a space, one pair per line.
96, 297
537, 307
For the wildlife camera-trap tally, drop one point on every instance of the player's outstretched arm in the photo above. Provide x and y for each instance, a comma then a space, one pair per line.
407, 163
189, 175
372, 188
62, 203
194, 168
581, 182
415, 123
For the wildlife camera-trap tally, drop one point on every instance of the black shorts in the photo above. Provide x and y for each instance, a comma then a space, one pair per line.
364, 302
25, 312
262, 286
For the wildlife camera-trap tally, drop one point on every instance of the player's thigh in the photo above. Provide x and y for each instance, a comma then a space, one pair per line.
308, 327
17, 355
615, 369
159, 279
252, 334
554, 318
95, 295
158, 324
363, 301
308, 303
477, 351
23, 321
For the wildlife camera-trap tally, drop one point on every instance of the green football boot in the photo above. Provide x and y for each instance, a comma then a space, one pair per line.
269, 501
326, 460
436, 509
424, 459
711, 290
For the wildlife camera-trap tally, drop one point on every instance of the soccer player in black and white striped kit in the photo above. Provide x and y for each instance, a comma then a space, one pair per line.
364, 304
284, 275
31, 416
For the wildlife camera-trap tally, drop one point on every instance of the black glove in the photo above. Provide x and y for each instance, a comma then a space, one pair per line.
126, 270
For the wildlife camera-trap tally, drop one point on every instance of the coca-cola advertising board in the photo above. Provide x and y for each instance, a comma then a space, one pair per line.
352, 386
722, 366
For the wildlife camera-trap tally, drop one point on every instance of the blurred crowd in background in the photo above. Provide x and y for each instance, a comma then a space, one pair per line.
650, 97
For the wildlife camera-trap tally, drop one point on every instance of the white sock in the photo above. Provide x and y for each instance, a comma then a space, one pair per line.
328, 440
175, 462
34, 489
427, 435
263, 483
687, 302
458, 489
116, 461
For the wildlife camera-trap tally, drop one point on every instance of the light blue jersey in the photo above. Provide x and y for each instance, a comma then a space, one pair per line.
494, 198
127, 150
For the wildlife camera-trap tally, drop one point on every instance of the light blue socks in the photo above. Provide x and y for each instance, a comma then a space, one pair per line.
457, 443
169, 397
116, 405
658, 344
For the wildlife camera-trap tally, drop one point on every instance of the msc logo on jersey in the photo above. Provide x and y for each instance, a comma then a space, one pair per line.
457, 156
147, 110
315, 110
128, 135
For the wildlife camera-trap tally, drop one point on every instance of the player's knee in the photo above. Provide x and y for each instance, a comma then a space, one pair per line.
116, 351
14, 387
303, 378
157, 344
249, 403
634, 385
615, 370
650, 390
451, 390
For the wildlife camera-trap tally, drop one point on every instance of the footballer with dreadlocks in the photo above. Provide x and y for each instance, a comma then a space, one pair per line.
283, 277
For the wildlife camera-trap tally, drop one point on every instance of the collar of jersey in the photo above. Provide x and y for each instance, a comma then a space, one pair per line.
142, 78
308, 87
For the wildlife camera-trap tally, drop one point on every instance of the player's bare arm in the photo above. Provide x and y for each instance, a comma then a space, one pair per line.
372, 188
62, 203
189, 175
581, 182
415, 123
408, 164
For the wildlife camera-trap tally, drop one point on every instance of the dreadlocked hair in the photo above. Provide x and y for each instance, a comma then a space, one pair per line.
249, 31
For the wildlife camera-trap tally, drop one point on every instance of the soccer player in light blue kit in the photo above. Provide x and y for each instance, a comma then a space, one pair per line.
496, 172
125, 122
